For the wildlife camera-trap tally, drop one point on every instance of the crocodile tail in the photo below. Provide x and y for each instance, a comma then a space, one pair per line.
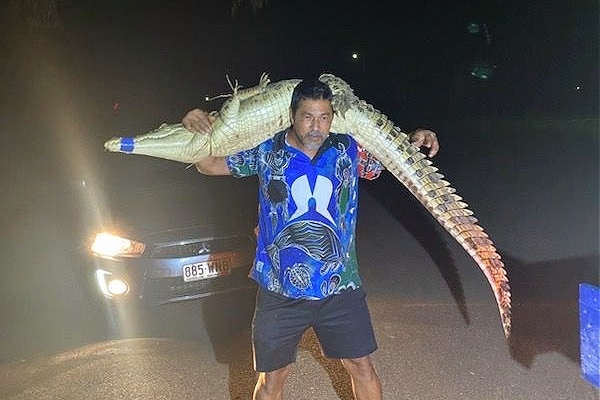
374, 131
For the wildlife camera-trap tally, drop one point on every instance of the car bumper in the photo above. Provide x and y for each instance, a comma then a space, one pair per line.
154, 282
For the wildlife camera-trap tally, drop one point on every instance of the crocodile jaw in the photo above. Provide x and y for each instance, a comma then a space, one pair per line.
172, 142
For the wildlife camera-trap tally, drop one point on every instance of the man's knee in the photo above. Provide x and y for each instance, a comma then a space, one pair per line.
272, 382
360, 368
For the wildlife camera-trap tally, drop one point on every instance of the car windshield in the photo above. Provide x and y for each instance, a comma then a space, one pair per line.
146, 194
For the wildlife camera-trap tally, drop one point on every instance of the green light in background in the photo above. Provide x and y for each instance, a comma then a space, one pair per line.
482, 70
473, 28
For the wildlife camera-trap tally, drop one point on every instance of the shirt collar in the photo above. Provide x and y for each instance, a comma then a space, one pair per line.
333, 139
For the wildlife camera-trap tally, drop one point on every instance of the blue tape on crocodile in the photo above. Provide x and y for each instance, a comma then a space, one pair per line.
127, 144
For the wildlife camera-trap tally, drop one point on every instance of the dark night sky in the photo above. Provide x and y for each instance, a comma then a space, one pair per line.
415, 55
159, 58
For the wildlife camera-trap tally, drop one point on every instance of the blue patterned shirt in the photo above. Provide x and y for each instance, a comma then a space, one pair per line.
307, 214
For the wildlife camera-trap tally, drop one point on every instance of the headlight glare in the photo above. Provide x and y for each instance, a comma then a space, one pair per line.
109, 245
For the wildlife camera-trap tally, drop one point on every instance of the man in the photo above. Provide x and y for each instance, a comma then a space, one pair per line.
305, 262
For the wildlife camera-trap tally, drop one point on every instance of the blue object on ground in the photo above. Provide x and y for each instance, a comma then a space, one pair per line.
589, 330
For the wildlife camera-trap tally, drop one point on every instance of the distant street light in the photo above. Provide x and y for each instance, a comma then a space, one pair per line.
360, 59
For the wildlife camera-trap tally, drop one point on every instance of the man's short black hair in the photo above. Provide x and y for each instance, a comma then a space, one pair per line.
310, 89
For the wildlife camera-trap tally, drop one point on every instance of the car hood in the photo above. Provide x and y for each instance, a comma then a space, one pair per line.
143, 197
192, 233
178, 208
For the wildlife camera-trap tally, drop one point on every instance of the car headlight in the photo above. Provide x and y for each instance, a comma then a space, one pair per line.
109, 245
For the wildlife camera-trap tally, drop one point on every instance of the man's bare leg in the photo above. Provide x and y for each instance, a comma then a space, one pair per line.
365, 382
270, 384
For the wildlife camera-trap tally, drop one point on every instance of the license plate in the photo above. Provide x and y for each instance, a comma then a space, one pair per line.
207, 269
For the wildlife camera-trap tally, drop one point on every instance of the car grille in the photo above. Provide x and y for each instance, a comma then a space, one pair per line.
214, 245
164, 290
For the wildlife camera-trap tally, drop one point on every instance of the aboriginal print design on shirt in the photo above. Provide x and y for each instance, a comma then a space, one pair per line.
307, 214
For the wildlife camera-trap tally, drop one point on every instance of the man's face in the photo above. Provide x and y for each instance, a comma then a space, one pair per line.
311, 124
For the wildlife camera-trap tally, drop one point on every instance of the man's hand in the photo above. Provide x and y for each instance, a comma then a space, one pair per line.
426, 138
199, 121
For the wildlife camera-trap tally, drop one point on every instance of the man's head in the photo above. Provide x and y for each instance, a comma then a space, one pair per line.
311, 114
310, 89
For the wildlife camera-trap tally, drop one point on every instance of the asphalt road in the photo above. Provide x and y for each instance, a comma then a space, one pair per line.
435, 317
429, 349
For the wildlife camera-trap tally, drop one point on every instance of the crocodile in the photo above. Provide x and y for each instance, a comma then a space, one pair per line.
251, 115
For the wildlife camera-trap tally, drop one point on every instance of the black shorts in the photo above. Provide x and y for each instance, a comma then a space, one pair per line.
341, 322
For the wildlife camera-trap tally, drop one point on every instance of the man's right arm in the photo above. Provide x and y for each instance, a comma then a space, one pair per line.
213, 166
200, 121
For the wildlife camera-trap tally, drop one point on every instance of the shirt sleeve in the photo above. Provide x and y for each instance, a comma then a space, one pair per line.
244, 163
368, 166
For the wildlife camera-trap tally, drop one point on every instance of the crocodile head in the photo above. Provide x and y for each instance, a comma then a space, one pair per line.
172, 142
